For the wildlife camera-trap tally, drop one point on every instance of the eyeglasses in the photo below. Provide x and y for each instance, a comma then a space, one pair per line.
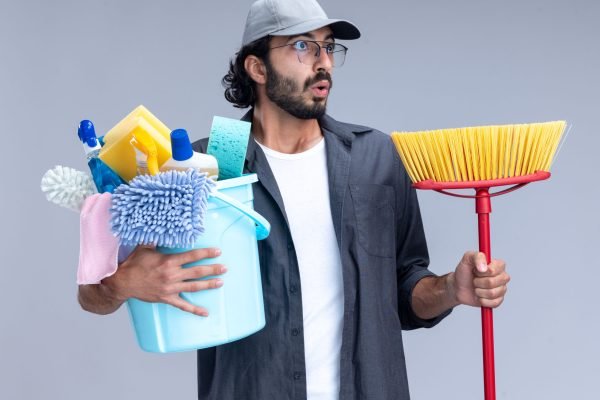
309, 51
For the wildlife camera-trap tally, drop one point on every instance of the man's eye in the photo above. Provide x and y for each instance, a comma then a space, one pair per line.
330, 48
301, 45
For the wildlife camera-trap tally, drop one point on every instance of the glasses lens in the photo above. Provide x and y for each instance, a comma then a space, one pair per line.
308, 51
338, 55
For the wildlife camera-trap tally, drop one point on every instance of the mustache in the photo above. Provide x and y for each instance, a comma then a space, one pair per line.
320, 76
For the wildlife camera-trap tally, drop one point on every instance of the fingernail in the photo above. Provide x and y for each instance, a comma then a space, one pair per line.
218, 252
204, 313
223, 269
218, 283
482, 267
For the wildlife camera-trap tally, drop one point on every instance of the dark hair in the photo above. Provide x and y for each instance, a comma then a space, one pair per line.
240, 89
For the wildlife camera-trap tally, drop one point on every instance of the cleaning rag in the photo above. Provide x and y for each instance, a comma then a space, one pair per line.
98, 247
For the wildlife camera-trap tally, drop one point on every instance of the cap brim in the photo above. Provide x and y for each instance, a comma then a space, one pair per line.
341, 29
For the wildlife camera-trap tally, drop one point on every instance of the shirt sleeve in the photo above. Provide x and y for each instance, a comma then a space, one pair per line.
412, 257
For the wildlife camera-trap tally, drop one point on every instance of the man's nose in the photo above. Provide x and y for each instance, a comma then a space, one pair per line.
323, 61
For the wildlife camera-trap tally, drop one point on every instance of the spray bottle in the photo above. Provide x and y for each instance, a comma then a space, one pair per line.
183, 157
106, 179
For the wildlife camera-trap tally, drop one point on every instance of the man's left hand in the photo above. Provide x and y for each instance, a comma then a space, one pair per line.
477, 283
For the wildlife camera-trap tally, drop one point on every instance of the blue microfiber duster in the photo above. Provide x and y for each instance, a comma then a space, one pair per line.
166, 209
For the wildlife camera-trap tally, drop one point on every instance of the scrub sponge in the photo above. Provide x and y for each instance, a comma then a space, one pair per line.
228, 143
117, 151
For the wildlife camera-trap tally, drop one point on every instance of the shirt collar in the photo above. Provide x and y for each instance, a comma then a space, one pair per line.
344, 132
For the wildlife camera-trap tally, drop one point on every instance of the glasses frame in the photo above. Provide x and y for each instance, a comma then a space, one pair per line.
318, 54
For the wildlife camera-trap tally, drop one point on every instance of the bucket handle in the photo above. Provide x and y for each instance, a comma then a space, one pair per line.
263, 227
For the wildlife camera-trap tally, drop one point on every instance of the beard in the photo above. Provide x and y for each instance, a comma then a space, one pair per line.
285, 93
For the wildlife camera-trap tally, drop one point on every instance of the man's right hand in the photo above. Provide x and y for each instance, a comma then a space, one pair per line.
155, 277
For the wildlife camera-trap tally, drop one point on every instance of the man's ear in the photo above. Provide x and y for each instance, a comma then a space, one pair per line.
255, 68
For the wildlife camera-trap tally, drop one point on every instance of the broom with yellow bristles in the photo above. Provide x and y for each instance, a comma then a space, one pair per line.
480, 158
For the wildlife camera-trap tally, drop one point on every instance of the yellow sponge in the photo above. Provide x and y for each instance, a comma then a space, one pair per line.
118, 153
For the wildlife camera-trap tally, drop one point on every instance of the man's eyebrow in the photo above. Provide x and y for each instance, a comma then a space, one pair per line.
311, 36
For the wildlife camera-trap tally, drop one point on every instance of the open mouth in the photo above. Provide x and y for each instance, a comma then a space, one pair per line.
321, 89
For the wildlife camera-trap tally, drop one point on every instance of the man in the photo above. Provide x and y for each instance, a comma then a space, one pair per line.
344, 269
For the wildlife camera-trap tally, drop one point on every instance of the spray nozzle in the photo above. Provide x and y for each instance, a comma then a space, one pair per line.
87, 133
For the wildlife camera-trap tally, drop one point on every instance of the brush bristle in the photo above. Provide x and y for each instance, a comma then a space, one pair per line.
67, 187
479, 153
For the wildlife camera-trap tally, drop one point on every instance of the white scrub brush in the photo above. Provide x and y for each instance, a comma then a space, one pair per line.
67, 187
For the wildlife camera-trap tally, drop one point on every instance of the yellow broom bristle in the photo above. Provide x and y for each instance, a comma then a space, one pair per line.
479, 153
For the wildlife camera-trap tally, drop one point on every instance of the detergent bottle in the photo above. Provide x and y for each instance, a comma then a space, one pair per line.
183, 157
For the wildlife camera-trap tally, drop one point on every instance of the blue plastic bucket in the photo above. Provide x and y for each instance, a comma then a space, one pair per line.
236, 309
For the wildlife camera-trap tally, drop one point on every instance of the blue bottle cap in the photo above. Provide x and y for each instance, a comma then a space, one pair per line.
180, 145
87, 133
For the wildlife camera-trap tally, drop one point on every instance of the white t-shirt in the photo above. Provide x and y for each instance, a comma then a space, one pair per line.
304, 185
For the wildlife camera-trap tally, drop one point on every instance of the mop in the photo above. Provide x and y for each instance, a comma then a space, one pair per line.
480, 158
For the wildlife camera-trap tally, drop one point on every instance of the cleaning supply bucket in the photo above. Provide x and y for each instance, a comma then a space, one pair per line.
236, 309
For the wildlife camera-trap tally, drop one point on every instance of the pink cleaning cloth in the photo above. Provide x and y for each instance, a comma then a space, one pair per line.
98, 247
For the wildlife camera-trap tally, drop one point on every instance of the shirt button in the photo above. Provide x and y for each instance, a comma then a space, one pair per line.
293, 289
297, 375
295, 332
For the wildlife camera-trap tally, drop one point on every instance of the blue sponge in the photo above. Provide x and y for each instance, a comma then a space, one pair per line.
228, 142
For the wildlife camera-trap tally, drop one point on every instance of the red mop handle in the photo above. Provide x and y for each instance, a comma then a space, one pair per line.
483, 208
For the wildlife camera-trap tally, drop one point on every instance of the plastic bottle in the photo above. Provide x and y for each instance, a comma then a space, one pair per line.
183, 157
106, 179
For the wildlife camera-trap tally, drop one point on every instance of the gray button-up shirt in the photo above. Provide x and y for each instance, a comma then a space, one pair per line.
383, 252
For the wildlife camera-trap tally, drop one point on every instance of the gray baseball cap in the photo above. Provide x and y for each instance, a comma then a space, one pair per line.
292, 17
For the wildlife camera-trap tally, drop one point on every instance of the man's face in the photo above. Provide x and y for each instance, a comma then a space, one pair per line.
300, 89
